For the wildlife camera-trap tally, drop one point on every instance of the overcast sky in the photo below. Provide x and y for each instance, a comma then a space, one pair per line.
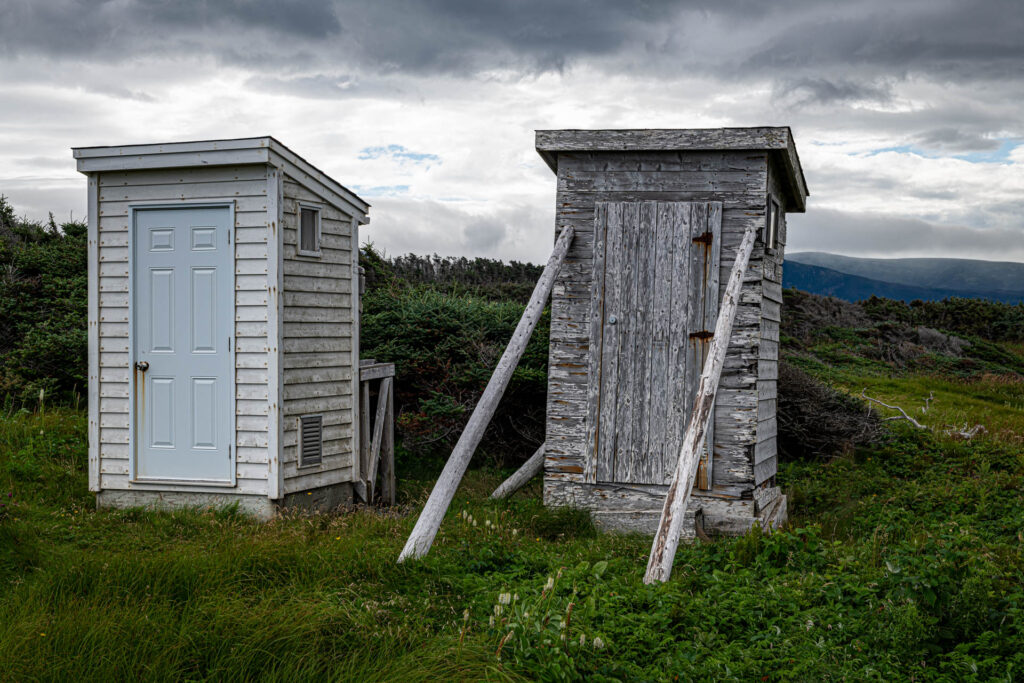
907, 115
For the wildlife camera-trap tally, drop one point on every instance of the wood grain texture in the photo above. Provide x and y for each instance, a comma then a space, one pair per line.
659, 567
571, 312
530, 469
659, 264
777, 142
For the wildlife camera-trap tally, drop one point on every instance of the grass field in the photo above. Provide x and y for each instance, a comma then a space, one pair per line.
903, 562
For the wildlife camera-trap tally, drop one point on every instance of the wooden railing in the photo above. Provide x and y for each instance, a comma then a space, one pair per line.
376, 432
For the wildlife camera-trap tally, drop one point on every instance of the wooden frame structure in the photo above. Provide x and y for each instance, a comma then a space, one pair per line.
652, 207
293, 320
377, 436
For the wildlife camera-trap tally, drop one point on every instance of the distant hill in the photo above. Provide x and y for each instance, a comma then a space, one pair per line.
828, 282
968, 275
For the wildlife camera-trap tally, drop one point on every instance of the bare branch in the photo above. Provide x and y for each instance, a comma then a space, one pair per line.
965, 433
953, 431
864, 395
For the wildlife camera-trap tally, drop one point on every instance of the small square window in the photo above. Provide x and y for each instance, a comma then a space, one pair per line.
771, 233
309, 231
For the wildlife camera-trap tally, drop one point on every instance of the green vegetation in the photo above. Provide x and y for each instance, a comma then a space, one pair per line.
904, 558
444, 348
902, 562
42, 308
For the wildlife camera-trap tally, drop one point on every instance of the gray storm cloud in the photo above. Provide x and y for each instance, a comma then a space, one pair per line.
906, 113
964, 39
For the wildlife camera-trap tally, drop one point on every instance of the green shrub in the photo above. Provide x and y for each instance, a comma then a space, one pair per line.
43, 291
445, 348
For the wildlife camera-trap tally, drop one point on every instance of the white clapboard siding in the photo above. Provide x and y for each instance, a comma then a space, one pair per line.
316, 330
246, 187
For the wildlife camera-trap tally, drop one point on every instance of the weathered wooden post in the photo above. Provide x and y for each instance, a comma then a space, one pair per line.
429, 522
666, 540
530, 469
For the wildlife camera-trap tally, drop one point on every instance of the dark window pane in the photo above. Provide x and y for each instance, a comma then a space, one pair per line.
307, 230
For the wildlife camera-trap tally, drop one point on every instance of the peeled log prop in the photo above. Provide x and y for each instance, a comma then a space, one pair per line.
530, 469
666, 540
429, 522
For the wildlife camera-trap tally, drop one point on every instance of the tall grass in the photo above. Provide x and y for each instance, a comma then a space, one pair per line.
904, 562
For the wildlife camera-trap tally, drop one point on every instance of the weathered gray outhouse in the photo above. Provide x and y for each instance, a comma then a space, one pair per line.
223, 326
659, 215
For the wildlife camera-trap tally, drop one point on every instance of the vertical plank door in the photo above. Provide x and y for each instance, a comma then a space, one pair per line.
655, 302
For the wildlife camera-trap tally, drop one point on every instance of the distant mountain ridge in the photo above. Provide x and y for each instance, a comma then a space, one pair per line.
928, 279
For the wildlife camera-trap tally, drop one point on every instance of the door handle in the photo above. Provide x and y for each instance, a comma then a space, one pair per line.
142, 365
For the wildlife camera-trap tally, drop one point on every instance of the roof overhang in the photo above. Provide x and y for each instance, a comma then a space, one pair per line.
777, 141
206, 153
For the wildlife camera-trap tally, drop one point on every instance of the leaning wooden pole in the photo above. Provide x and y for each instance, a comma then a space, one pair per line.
429, 522
666, 540
530, 469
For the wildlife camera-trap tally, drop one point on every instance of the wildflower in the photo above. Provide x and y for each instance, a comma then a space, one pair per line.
598, 643
491, 622
583, 640
504, 598
809, 625
515, 532
337, 538
550, 584
497, 610
474, 522
515, 597
465, 614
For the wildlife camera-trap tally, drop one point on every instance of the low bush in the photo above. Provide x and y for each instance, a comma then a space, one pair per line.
817, 422
445, 348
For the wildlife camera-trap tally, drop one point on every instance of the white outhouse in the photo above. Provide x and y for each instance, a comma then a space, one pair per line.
223, 326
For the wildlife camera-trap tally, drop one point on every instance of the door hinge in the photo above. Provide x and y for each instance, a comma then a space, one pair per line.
229, 235
229, 452
229, 344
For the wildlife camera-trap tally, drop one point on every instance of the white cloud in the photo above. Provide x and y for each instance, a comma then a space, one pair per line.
457, 172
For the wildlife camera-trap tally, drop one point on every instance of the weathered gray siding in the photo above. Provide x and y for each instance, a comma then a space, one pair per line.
736, 178
246, 187
317, 341
765, 453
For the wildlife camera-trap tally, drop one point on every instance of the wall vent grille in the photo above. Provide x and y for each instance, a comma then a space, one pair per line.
311, 440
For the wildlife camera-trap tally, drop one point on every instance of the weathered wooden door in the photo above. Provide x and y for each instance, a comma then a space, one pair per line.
653, 311
183, 310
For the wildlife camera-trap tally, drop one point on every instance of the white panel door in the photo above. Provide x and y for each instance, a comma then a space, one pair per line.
183, 312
